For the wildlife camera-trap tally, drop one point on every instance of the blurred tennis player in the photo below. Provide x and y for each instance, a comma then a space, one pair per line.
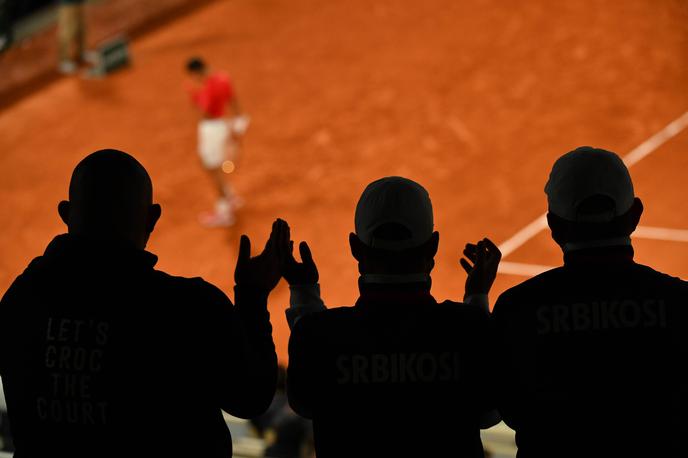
218, 135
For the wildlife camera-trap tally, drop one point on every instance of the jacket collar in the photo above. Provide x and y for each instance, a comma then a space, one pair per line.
397, 294
622, 254
79, 249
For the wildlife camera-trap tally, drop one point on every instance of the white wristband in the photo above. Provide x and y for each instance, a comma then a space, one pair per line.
303, 300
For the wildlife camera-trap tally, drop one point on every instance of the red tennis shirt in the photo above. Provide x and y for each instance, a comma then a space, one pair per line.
213, 96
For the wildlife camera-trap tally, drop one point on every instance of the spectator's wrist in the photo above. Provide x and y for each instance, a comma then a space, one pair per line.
248, 293
304, 295
478, 299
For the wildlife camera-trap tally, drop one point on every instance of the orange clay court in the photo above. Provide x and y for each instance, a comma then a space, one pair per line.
473, 98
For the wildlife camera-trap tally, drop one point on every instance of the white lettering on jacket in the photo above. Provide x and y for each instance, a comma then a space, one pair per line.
415, 367
601, 315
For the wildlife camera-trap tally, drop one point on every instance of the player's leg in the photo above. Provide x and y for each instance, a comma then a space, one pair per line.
228, 167
224, 189
212, 135
224, 204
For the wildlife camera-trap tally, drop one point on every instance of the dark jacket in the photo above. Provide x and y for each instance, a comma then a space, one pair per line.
102, 355
396, 375
592, 359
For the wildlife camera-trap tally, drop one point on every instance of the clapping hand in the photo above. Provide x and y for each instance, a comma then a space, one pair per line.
262, 271
485, 257
296, 273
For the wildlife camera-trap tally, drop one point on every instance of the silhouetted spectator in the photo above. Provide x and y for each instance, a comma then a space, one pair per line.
101, 355
398, 374
592, 353
71, 34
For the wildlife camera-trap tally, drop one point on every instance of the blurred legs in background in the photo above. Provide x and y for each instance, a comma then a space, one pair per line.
218, 149
223, 214
71, 35
5, 25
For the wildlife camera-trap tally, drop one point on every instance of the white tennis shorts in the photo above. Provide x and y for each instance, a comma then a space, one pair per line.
215, 144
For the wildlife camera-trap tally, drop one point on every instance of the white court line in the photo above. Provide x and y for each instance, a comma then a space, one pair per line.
661, 233
522, 236
644, 149
523, 269
639, 152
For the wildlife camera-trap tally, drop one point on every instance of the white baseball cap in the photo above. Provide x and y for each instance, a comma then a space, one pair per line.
394, 200
586, 172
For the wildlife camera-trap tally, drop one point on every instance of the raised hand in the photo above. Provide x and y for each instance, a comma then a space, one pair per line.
262, 271
296, 273
485, 257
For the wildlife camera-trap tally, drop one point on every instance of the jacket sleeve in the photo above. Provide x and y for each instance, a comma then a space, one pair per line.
488, 377
244, 363
10, 311
510, 389
6, 306
301, 382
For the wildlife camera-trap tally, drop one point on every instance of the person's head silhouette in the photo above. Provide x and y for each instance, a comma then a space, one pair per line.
394, 240
110, 198
591, 200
